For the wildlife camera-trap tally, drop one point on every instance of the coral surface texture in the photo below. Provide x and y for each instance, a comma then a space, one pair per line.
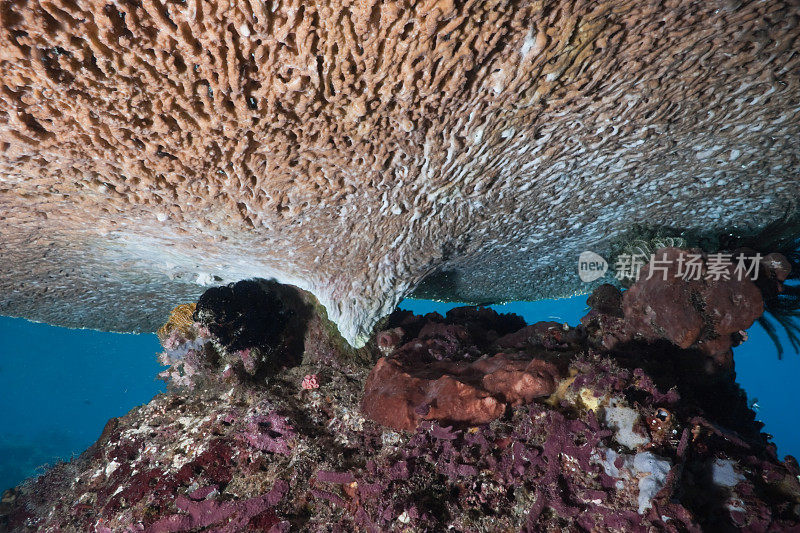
364, 150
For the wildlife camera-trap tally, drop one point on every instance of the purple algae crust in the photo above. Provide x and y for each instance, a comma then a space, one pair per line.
641, 434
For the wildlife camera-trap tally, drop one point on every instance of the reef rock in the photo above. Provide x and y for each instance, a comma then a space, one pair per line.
245, 332
450, 370
706, 308
470, 150
635, 437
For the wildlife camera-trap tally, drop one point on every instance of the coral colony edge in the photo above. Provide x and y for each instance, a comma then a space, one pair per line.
262, 182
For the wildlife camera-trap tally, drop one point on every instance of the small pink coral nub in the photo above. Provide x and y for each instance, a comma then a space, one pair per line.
310, 382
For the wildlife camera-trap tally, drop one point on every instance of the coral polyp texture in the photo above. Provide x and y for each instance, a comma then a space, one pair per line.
362, 150
648, 433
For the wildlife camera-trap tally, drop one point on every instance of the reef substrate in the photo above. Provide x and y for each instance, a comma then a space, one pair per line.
631, 421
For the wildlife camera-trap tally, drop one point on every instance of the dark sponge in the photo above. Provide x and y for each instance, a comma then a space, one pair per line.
245, 314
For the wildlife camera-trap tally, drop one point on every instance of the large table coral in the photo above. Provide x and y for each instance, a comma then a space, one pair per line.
360, 150
641, 435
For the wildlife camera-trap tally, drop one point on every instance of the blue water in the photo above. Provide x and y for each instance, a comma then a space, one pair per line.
58, 387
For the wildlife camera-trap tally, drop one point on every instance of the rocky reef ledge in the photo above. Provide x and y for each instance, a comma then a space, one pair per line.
475, 421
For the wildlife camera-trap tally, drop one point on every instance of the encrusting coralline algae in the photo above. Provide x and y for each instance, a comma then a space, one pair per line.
638, 434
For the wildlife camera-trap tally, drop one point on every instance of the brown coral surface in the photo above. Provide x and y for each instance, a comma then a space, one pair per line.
354, 148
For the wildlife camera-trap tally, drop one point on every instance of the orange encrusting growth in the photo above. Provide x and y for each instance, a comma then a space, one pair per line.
179, 319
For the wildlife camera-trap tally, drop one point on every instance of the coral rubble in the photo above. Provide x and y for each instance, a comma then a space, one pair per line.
469, 422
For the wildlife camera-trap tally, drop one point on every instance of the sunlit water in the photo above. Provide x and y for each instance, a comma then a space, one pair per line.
58, 387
